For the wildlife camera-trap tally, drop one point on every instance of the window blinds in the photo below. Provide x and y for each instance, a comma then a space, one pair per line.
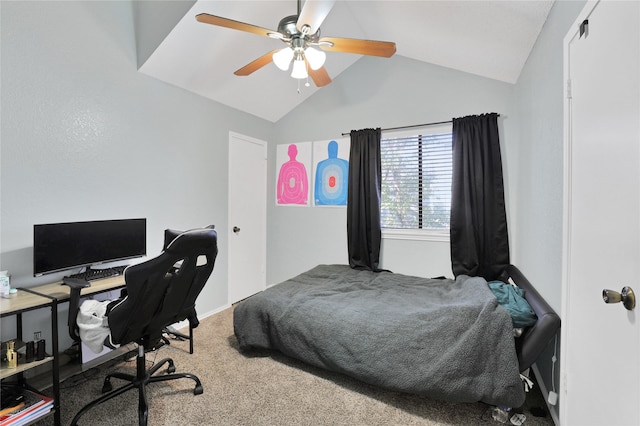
416, 181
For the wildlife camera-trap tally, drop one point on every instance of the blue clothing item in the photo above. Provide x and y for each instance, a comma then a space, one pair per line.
512, 298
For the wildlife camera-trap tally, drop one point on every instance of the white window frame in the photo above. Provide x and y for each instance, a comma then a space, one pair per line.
436, 235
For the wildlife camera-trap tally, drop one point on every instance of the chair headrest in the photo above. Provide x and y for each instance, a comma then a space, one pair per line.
202, 238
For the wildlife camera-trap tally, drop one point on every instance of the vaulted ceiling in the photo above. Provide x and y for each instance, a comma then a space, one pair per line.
488, 38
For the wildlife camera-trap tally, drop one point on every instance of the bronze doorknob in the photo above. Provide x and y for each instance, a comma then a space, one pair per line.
236, 229
627, 297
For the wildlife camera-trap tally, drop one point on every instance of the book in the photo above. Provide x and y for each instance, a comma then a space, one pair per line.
33, 415
32, 406
11, 409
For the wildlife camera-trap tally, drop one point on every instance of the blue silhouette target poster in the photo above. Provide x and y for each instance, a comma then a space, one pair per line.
331, 171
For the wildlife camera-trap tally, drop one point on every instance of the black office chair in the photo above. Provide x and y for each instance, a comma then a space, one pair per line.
160, 292
169, 236
76, 285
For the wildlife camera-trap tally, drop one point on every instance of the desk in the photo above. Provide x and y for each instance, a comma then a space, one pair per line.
62, 292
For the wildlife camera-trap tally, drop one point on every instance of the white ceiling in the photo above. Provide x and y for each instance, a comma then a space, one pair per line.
487, 38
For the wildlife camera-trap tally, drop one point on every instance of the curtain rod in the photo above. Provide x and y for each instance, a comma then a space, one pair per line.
411, 126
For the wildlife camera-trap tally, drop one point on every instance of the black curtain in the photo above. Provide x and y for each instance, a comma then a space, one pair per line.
479, 239
363, 200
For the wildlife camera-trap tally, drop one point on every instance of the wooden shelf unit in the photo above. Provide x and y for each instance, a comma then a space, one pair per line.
39, 297
24, 301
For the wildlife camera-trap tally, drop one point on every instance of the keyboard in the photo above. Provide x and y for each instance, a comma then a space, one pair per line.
96, 274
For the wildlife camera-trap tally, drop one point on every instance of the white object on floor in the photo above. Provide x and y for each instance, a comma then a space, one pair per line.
517, 419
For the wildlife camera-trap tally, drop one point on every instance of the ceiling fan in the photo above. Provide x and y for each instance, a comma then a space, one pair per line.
301, 34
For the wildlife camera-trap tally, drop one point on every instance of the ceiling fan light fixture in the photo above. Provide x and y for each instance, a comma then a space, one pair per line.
282, 58
315, 57
299, 68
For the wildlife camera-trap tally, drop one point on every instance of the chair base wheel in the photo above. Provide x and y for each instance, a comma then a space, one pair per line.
198, 390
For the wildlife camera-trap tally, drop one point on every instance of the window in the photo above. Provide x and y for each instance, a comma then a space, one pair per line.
416, 181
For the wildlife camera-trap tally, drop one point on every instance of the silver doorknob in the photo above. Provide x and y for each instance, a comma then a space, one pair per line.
236, 229
627, 297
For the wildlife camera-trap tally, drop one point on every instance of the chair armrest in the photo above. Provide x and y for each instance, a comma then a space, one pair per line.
75, 284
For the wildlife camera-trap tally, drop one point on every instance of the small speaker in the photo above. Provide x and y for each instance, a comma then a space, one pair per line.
40, 354
30, 352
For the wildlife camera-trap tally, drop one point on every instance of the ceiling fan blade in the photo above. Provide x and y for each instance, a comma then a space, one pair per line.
385, 49
320, 76
313, 13
257, 64
236, 25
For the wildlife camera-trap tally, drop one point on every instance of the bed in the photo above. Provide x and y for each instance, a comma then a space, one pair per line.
442, 338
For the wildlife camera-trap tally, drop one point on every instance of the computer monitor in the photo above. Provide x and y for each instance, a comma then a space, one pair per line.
64, 246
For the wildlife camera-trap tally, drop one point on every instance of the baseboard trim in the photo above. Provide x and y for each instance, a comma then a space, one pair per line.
215, 311
184, 324
553, 409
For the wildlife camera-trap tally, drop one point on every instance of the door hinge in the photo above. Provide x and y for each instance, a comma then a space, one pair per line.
569, 89
584, 28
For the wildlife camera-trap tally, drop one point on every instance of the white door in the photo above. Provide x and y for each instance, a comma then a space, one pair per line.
600, 353
247, 216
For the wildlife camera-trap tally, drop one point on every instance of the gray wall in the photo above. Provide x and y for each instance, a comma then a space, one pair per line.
375, 93
538, 97
153, 21
85, 136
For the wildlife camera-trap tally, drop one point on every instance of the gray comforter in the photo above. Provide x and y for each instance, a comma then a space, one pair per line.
443, 339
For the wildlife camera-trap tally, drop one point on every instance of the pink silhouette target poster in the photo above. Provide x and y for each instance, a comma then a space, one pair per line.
293, 164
